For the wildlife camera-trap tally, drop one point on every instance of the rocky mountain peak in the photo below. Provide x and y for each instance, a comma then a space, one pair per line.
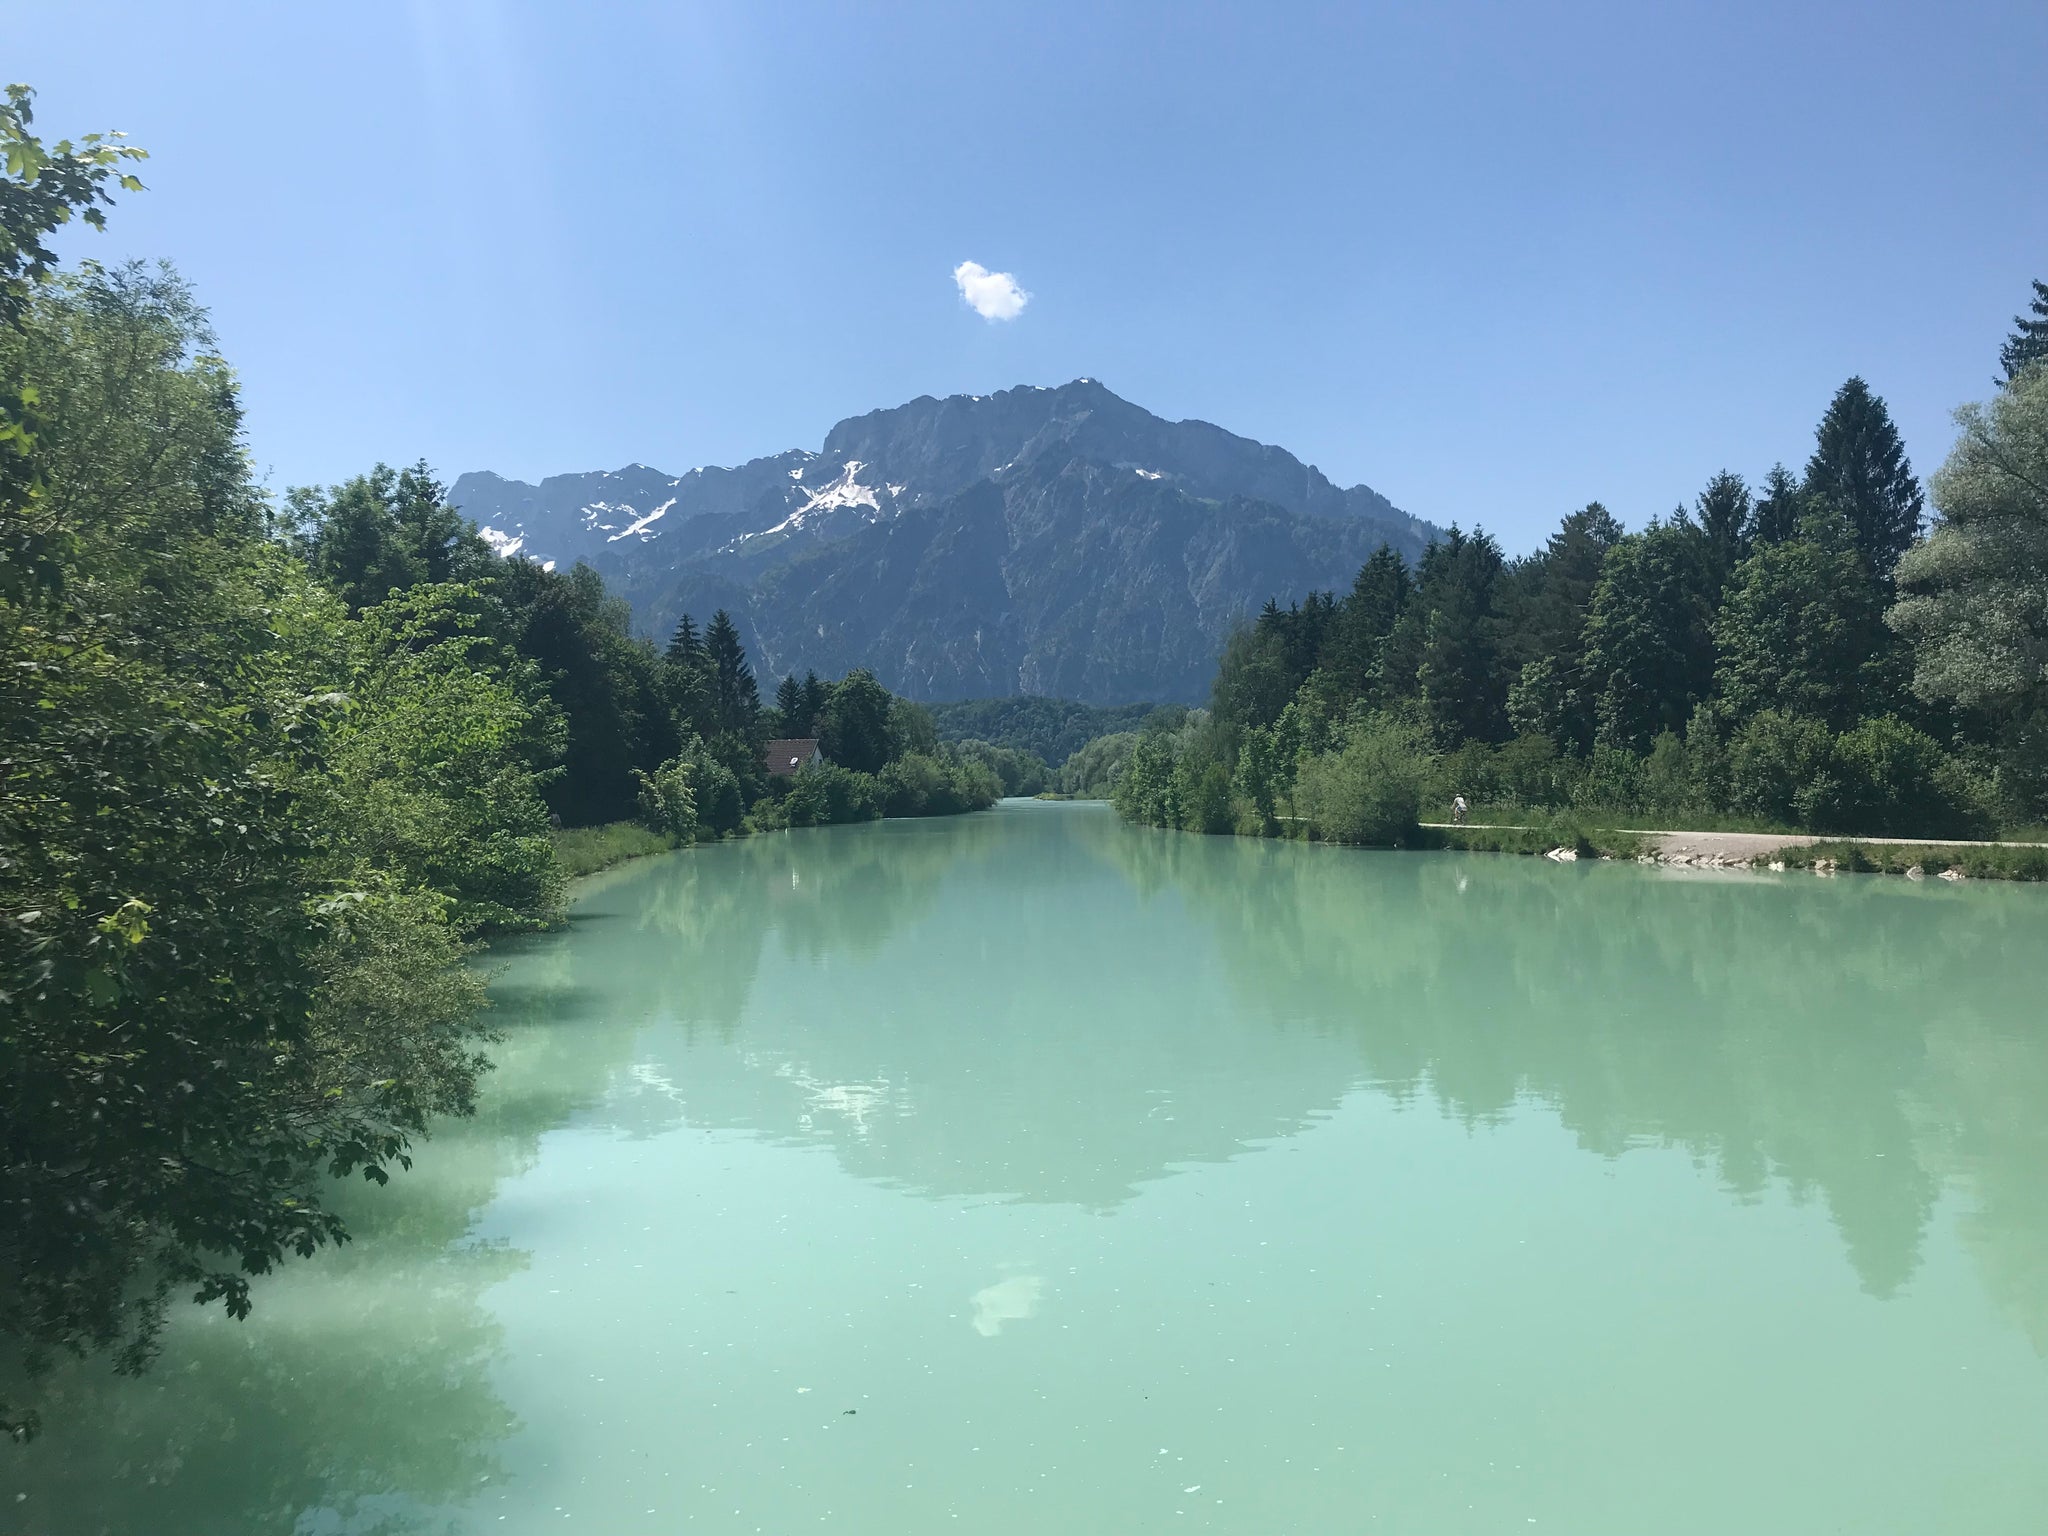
807, 548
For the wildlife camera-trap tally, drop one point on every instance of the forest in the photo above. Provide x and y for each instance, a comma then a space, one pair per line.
1802, 654
273, 768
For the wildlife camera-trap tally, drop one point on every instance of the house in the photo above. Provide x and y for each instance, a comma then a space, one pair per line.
783, 758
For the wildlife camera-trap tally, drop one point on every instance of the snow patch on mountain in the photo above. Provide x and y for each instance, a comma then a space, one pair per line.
503, 545
640, 525
844, 490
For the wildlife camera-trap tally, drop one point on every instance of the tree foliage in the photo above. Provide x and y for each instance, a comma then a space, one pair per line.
1859, 467
1731, 660
267, 774
43, 188
186, 1056
2028, 344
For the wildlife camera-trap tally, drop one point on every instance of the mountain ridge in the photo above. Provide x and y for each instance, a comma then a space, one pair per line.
1037, 540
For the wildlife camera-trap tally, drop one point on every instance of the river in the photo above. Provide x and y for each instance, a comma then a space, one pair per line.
1027, 1172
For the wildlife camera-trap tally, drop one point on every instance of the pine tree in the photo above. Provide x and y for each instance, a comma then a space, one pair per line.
789, 706
1724, 511
735, 698
1548, 697
684, 646
1460, 669
2028, 343
1358, 633
1859, 466
816, 692
1779, 510
441, 542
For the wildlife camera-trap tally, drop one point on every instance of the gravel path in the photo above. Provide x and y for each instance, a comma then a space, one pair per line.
1744, 847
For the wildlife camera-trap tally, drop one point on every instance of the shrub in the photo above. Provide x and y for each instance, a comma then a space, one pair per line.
1370, 789
825, 794
720, 807
1530, 770
1895, 779
1471, 771
1780, 767
666, 802
1884, 777
1613, 778
1667, 783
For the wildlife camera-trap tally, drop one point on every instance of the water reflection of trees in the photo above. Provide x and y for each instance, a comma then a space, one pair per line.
358, 1397
1027, 1035
1858, 1040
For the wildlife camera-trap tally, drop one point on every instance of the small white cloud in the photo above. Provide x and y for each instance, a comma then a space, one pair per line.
991, 295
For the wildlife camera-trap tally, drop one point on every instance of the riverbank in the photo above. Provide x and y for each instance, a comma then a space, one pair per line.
1911, 857
586, 850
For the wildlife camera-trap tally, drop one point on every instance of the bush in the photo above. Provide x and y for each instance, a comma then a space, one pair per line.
1780, 767
1370, 789
1897, 780
825, 794
666, 802
1612, 779
1530, 771
1472, 771
720, 807
1882, 778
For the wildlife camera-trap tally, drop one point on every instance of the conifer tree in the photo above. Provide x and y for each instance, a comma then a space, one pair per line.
1460, 671
1548, 697
816, 692
1779, 510
789, 707
735, 698
1859, 466
2028, 343
684, 646
1723, 510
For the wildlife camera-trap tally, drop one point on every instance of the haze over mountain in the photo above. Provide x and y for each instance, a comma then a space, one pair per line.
1056, 541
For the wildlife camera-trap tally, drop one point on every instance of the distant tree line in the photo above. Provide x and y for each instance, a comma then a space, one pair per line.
1790, 654
1052, 730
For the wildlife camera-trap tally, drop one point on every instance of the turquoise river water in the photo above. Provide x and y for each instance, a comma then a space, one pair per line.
1027, 1172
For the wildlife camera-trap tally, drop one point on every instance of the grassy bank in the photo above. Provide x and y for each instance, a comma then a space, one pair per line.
586, 850
1992, 861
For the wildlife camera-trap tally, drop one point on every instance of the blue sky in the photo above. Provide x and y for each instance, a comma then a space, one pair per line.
1492, 259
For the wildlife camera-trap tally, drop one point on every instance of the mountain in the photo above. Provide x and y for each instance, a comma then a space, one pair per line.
1056, 541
